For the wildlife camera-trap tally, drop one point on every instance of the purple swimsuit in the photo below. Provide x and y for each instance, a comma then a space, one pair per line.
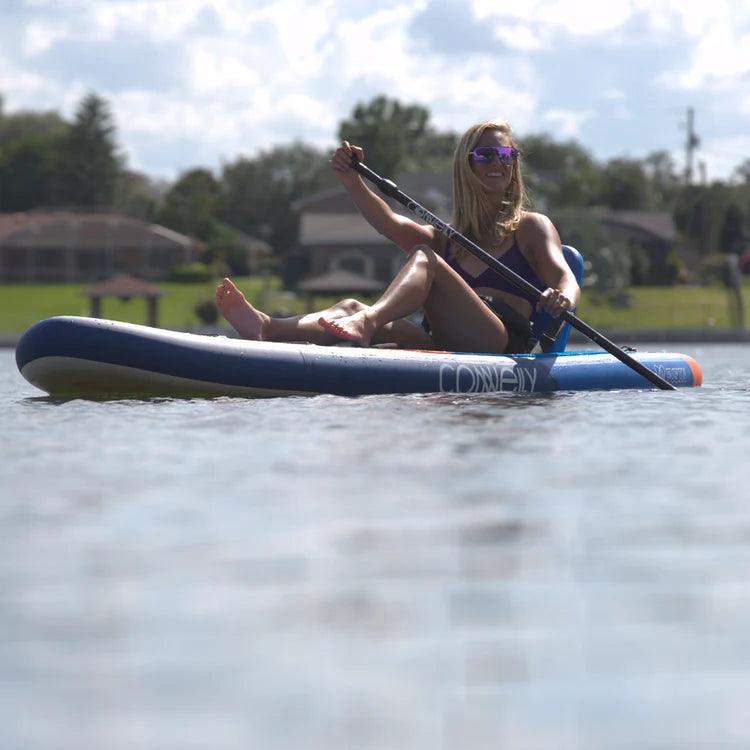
514, 259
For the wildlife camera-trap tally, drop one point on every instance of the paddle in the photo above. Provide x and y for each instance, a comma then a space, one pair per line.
391, 190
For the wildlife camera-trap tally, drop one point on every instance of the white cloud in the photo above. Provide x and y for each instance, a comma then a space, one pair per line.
213, 71
723, 155
40, 36
576, 17
567, 122
720, 35
159, 19
20, 86
230, 76
521, 37
613, 95
720, 60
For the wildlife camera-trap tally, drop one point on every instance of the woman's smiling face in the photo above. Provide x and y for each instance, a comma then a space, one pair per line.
495, 175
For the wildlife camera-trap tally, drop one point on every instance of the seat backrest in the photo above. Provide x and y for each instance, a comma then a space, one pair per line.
541, 321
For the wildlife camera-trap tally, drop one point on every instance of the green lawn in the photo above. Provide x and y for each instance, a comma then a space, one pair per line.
24, 304
651, 307
665, 307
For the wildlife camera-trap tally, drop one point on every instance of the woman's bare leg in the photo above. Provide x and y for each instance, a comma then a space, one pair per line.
238, 312
405, 294
460, 321
256, 325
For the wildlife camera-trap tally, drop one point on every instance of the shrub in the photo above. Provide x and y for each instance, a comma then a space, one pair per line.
206, 311
192, 273
713, 268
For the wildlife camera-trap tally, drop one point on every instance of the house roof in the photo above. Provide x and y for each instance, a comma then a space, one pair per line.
10, 222
123, 286
432, 189
337, 229
55, 229
330, 217
333, 198
340, 282
657, 223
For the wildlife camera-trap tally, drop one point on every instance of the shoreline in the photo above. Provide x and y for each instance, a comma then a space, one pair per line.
668, 336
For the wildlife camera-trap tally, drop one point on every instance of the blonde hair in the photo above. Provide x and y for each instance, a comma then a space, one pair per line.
474, 213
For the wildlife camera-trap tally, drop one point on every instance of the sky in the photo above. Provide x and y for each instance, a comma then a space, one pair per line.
203, 82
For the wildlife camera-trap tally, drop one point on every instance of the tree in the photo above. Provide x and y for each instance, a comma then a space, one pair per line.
699, 213
742, 172
625, 185
90, 165
30, 151
191, 204
137, 195
28, 170
665, 182
732, 232
23, 124
257, 194
433, 152
397, 137
561, 174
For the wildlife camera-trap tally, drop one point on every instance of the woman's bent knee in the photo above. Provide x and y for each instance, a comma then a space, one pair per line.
423, 255
349, 306
424, 251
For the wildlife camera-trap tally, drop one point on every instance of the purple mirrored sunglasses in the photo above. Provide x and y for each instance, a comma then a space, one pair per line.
484, 154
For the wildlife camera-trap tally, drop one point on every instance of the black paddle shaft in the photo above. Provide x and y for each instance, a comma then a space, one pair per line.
391, 190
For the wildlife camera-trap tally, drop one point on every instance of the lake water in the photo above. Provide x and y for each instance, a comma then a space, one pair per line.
498, 571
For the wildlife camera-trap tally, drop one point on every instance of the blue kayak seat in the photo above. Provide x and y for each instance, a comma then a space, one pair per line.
543, 324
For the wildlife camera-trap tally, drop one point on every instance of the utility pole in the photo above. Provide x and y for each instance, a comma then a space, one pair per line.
692, 142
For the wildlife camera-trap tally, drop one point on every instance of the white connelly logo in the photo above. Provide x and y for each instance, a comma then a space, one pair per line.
486, 378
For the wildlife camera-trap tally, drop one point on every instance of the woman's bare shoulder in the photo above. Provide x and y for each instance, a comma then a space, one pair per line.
533, 223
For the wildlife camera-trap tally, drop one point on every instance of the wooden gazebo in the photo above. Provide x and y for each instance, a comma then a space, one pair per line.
125, 287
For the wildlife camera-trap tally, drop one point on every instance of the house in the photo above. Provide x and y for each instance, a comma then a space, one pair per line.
258, 253
336, 243
652, 233
70, 246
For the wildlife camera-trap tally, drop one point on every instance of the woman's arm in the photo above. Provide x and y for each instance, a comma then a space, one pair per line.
402, 231
538, 236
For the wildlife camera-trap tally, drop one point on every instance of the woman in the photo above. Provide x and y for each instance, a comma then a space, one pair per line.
468, 306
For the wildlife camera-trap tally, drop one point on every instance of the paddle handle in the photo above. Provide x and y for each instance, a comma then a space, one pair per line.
391, 190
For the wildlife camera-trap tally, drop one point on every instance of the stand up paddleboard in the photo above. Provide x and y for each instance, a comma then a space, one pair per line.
87, 357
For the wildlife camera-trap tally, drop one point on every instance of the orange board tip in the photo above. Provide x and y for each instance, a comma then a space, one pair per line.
696, 370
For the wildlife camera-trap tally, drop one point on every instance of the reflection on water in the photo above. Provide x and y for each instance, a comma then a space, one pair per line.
494, 571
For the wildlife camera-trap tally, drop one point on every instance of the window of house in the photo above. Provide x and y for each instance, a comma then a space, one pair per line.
91, 264
50, 264
127, 260
50, 259
354, 262
13, 265
161, 259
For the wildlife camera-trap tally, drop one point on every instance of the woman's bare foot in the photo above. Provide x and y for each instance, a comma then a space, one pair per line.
239, 313
358, 327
